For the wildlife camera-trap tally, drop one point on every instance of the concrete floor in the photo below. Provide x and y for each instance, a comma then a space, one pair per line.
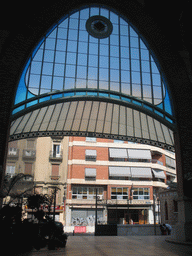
117, 246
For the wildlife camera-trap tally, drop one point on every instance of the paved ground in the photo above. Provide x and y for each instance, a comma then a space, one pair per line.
117, 246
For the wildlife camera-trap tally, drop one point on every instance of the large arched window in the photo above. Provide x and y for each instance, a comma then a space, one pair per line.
96, 53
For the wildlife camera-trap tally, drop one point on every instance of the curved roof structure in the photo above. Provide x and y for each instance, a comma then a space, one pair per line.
93, 73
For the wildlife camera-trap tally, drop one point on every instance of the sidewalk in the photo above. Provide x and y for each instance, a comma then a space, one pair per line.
117, 246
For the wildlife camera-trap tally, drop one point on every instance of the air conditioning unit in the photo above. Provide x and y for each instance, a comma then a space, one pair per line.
100, 197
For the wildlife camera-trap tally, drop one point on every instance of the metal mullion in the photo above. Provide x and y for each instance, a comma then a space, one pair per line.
119, 56
163, 132
162, 85
130, 60
140, 124
29, 79
67, 39
141, 79
42, 67
112, 119
77, 50
88, 56
39, 110
59, 116
133, 122
109, 70
54, 58
151, 78
98, 60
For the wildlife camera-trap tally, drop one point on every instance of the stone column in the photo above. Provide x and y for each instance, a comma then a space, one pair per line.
182, 231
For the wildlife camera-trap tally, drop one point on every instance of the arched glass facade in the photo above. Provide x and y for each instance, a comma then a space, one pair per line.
73, 60
93, 75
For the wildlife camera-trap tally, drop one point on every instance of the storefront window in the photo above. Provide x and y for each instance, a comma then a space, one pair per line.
119, 193
86, 192
141, 193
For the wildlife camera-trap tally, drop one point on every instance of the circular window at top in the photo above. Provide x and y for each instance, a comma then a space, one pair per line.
99, 26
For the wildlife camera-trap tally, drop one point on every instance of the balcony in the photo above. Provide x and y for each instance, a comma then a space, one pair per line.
55, 156
29, 154
13, 154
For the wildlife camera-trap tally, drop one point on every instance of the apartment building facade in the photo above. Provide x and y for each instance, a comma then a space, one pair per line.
126, 177
46, 160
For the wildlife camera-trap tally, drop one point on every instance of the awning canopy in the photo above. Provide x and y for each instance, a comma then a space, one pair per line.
118, 153
170, 161
89, 152
119, 171
139, 154
90, 172
141, 172
91, 119
159, 174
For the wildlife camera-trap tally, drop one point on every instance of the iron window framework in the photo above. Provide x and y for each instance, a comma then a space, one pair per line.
70, 63
141, 194
119, 193
88, 193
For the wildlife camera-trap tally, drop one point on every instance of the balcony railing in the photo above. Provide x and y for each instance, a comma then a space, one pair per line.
13, 153
29, 154
54, 156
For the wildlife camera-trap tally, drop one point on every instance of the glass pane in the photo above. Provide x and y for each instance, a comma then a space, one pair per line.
113, 191
124, 41
114, 51
136, 77
46, 82
125, 76
134, 53
57, 83
135, 65
136, 90
72, 46
93, 48
72, 34
93, 60
47, 68
36, 67
71, 58
114, 63
84, 190
125, 64
83, 36
103, 74
60, 57
114, 40
140, 191
62, 33
124, 30
80, 190
74, 190
124, 52
125, 191
114, 75
82, 48
69, 83
81, 83
73, 23
82, 59
34, 81
119, 191
81, 72
70, 70
146, 91
59, 70
114, 86
91, 192
125, 88
134, 42
104, 49
103, 62
50, 44
92, 73
84, 14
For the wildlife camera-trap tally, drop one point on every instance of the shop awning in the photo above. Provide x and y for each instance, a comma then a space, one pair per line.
89, 152
139, 154
141, 172
159, 174
90, 172
118, 153
119, 171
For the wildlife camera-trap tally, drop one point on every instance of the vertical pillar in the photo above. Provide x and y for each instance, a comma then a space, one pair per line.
182, 231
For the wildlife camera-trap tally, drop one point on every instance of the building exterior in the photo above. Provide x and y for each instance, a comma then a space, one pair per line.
127, 178
46, 160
